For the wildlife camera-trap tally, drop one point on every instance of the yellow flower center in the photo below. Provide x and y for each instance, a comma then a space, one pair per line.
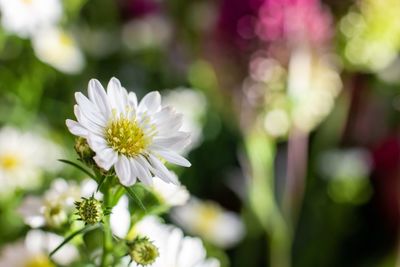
65, 39
207, 215
9, 161
126, 137
27, 1
39, 261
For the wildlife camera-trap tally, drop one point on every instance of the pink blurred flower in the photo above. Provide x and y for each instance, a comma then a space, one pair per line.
294, 21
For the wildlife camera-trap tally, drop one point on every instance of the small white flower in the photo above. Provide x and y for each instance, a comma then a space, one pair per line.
210, 221
23, 159
193, 105
26, 17
54, 208
34, 250
132, 137
169, 193
175, 249
59, 49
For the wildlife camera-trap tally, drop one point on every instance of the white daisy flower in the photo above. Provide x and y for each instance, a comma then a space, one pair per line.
175, 249
132, 137
59, 49
56, 205
34, 250
26, 17
170, 194
23, 159
210, 221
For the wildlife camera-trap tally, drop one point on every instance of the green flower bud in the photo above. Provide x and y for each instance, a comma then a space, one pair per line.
143, 251
85, 153
90, 210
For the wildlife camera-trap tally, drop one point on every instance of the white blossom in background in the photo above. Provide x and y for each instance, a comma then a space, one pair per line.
148, 32
34, 251
193, 105
58, 49
56, 205
169, 193
24, 157
175, 249
26, 17
209, 221
133, 137
347, 171
120, 218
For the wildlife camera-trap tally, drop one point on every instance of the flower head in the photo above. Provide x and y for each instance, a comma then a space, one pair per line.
59, 49
24, 157
34, 250
143, 251
132, 137
175, 249
25, 17
90, 210
57, 205
210, 221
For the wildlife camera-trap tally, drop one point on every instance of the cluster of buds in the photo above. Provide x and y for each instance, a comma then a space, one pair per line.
143, 251
90, 210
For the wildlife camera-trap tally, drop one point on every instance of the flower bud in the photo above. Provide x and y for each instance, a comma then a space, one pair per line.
85, 153
143, 251
90, 210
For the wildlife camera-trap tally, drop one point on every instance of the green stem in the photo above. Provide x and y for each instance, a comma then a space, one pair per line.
107, 235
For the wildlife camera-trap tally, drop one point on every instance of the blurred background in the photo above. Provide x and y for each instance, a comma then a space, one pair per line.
293, 107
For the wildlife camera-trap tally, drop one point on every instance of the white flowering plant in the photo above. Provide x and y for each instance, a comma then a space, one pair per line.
124, 147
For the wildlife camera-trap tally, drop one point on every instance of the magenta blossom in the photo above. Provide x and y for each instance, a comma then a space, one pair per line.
294, 21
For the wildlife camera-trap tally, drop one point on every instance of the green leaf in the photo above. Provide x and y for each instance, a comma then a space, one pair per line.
84, 230
133, 195
78, 167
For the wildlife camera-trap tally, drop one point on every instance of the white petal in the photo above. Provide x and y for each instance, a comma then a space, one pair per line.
120, 218
150, 102
117, 95
76, 129
123, 171
192, 252
147, 177
142, 175
175, 142
174, 158
106, 158
160, 170
88, 124
98, 96
132, 98
173, 246
96, 142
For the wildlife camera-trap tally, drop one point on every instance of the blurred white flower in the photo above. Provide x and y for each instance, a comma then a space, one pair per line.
59, 49
34, 250
193, 105
132, 137
169, 193
148, 32
56, 205
347, 173
175, 249
120, 218
26, 17
210, 221
24, 157
354, 163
